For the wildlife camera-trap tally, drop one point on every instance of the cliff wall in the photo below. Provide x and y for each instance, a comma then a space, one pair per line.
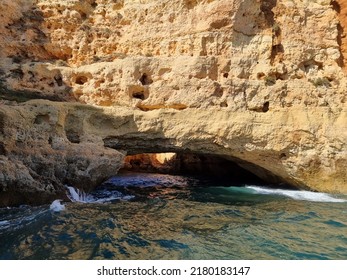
262, 82
233, 54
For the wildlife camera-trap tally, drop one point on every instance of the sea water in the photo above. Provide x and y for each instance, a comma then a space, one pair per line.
152, 216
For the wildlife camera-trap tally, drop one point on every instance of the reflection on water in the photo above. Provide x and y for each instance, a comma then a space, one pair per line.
177, 218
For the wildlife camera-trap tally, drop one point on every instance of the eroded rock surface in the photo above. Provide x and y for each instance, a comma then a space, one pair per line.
42, 150
58, 142
260, 81
235, 54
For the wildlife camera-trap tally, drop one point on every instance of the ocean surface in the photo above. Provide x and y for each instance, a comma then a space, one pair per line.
153, 216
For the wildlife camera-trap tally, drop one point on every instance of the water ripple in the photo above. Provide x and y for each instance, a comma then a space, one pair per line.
178, 218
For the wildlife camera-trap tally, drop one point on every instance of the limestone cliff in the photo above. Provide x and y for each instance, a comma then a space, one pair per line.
40, 151
262, 82
235, 54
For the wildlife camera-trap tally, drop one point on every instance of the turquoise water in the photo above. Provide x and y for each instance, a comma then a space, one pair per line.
150, 216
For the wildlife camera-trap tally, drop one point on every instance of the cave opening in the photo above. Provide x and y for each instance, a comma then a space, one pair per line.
219, 170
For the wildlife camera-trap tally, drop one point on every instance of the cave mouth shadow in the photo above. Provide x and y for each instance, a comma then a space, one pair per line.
212, 169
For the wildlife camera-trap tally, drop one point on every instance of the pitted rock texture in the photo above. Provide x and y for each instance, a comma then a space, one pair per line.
150, 54
262, 82
65, 142
41, 150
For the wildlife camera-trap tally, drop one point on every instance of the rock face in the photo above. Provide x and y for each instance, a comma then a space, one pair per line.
59, 142
150, 54
261, 82
41, 150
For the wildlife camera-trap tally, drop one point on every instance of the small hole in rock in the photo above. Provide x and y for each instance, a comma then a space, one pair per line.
72, 136
16, 59
135, 162
83, 15
59, 80
260, 75
224, 104
17, 73
81, 80
40, 119
283, 156
94, 4
2, 149
145, 80
266, 106
139, 95
226, 75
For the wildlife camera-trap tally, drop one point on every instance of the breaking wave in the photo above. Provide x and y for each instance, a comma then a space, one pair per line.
101, 196
56, 206
296, 194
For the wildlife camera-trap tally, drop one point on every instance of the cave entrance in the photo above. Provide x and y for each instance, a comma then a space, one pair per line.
229, 172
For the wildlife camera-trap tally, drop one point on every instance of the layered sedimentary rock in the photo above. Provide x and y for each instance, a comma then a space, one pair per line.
261, 82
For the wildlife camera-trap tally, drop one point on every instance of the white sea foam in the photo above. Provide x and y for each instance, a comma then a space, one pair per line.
4, 224
23, 219
56, 206
297, 195
76, 195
